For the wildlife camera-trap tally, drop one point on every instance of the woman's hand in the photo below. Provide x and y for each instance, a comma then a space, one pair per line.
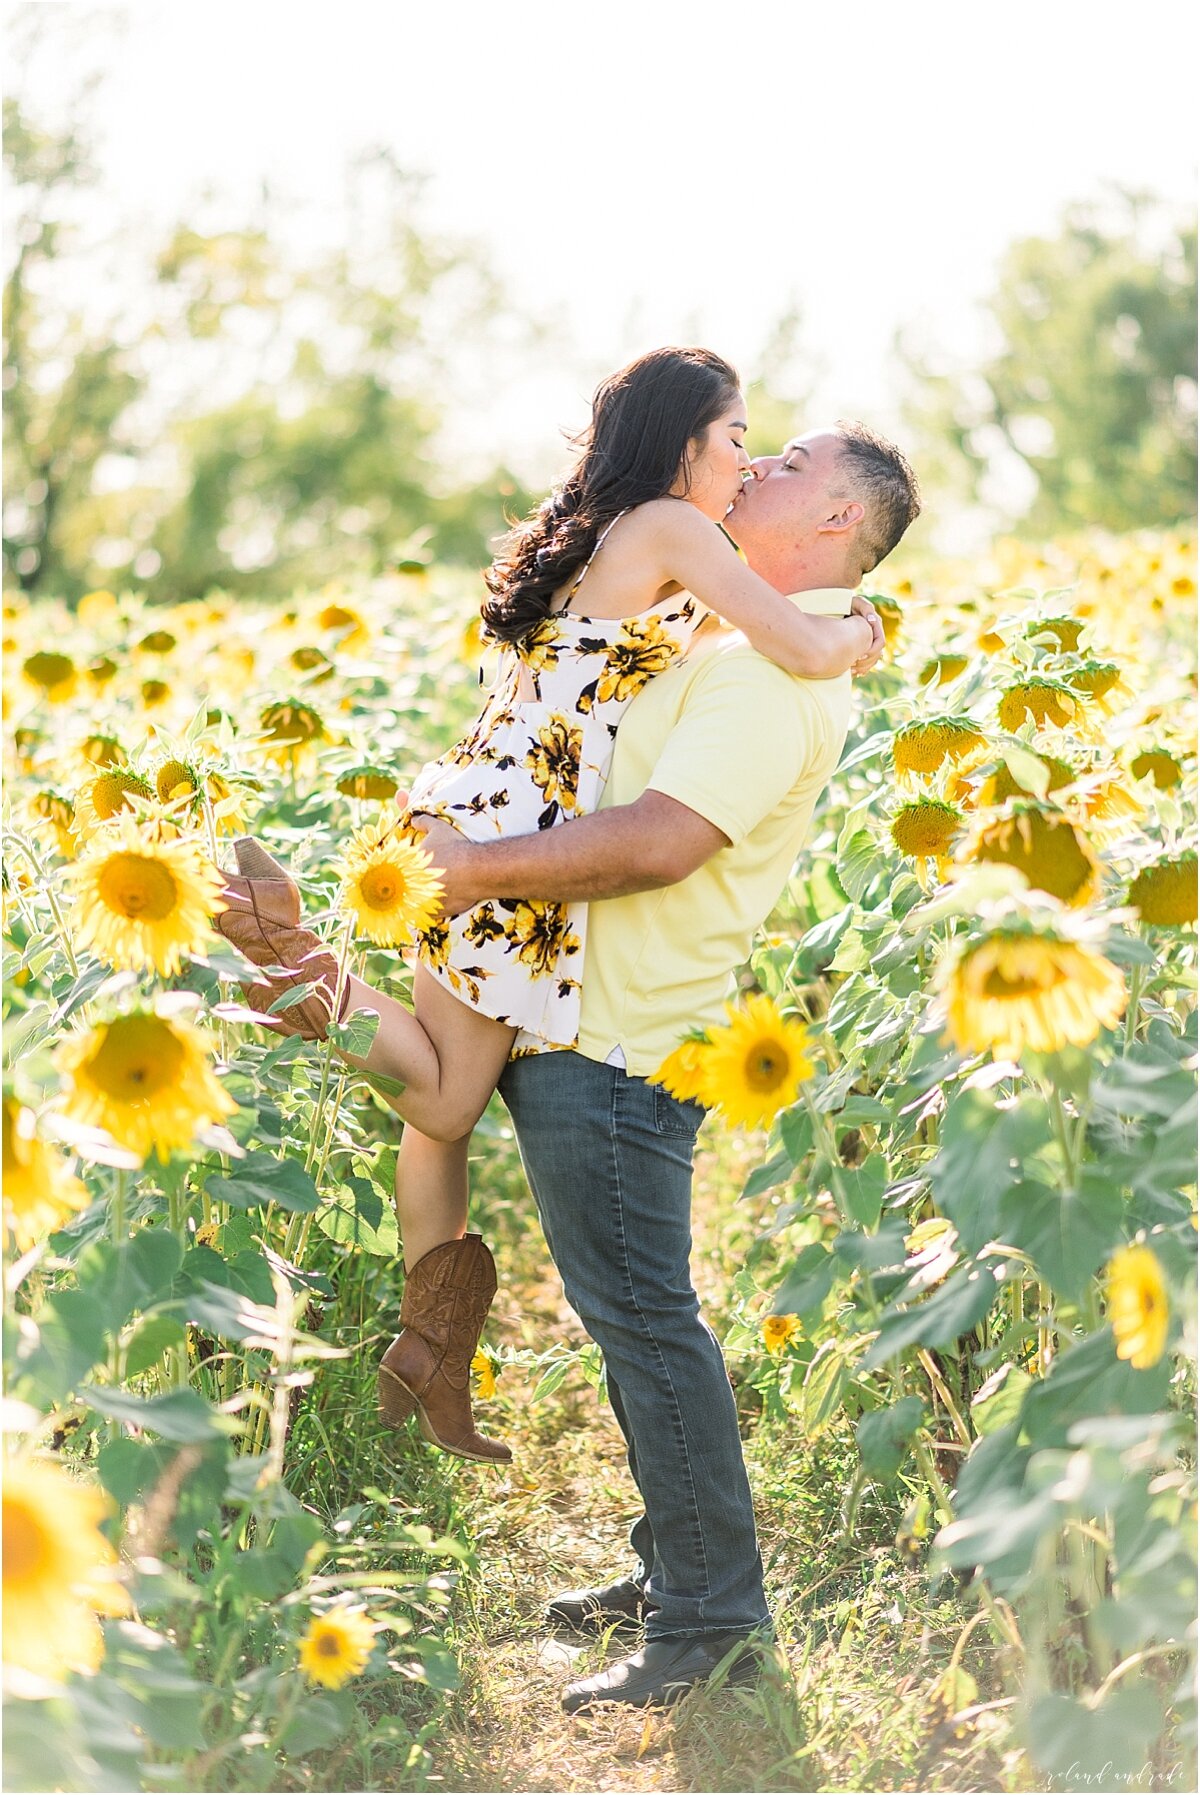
862, 607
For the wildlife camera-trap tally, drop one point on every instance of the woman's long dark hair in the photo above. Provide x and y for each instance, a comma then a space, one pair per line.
643, 419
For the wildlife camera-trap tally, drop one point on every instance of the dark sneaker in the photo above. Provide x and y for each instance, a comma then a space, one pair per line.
622, 1603
663, 1672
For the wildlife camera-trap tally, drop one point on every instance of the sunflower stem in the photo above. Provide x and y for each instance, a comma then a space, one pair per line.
1133, 1007
47, 885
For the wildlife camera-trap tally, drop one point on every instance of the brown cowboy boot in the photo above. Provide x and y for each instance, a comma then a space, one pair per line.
261, 919
447, 1295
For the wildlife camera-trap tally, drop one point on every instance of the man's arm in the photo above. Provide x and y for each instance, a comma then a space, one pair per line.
642, 846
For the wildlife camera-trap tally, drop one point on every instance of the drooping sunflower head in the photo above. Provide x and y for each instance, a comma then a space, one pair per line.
102, 669
925, 746
1044, 845
926, 828
174, 780
1039, 701
347, 627
157, 641
1015, 989
1158, 764
145, 1079
1136, 1297
368, 782
103, 798
944, 668
390, 886
57, 809
336, 1646
1099, 683
1001, 783
59, 1570
1059, 634
313, 661
52, 673
142, 900
155, 693
891, 616
39, 1190
102, 750
289, 724
757, 1063
1164, 893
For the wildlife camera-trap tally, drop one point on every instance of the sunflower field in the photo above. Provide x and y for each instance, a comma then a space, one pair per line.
959, 1081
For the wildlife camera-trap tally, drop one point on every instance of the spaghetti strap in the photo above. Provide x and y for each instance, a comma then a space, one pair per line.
599, 544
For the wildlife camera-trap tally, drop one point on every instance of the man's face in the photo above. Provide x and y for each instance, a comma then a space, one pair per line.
793, 493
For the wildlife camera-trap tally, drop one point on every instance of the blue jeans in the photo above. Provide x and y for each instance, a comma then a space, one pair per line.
609, 1160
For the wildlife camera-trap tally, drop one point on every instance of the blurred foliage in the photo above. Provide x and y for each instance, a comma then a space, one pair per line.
133, 457
1092, 382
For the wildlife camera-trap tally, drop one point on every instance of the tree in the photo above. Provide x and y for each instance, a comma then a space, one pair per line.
65, 386
1092, 383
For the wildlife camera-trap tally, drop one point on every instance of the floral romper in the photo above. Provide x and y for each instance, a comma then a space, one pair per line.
530, 763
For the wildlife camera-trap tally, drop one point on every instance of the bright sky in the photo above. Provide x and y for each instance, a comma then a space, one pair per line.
647, 171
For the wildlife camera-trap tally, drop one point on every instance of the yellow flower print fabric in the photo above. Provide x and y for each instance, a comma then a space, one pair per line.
530, 763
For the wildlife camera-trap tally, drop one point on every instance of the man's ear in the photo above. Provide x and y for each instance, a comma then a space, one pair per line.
840, 521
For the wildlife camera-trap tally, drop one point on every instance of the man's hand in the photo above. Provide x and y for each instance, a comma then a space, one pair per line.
452, 855
862, 607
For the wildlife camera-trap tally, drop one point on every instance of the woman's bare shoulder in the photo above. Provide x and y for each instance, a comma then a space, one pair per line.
668, 520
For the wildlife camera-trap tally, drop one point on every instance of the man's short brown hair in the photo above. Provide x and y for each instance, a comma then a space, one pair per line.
881, 478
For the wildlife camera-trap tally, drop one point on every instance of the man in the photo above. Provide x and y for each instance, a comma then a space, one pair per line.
717, 767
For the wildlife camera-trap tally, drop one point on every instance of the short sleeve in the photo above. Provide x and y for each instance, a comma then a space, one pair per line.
747, 734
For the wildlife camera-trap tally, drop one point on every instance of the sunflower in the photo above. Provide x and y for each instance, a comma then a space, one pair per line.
1165, 892
159, 641
336, 1646
175, 779
145, 1079
389, 885
26, 740
924, 747
155, 692
289, 724
350, 629
925, 828
757, 1063
371, 783
1136, 1296
58, 810
1063, 631
101, 750
59, 1570
1001, 783
1099, 683
1158, 764
1043, 844
1014, 990
39, 1191
142, 900
103, 798
891, 616
778, 1331
102, 669
1038, 701
944, 668
52, 673
485, 1370
684, 1073
990, 641
312, 660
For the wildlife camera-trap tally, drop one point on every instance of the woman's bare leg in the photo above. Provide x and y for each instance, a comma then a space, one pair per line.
431, 1193
448, 1056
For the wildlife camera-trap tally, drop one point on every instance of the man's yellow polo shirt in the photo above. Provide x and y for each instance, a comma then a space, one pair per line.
749, 747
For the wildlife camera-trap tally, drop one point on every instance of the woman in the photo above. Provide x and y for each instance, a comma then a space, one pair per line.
638, 518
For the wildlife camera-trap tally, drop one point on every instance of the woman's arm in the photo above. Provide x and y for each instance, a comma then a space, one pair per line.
704, 561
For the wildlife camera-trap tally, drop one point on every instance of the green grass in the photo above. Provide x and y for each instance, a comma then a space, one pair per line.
844, 1703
